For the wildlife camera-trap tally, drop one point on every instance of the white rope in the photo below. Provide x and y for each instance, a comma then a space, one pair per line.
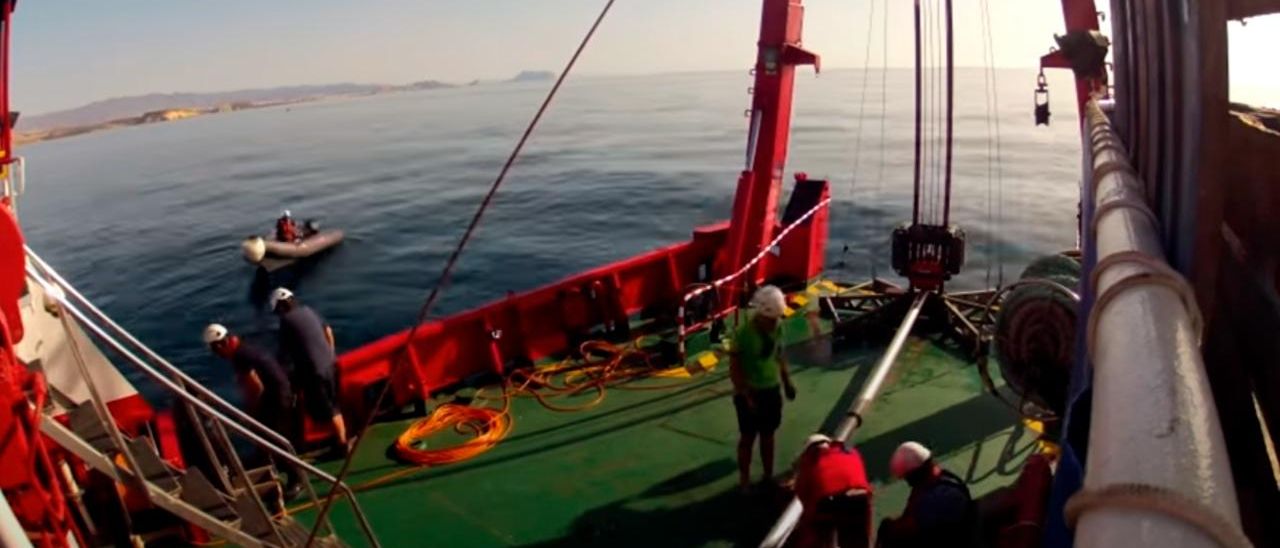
1162, 500
682, 330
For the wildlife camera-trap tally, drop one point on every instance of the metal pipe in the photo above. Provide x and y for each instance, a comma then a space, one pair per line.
752, 138
853, 417
198, 403
1155, 421
12, 534
871, 388
95, 398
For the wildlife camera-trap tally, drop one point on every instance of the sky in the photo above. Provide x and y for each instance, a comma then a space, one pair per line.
70, 52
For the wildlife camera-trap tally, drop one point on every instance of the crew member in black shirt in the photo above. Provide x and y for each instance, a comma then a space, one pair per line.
306, 342
267, 392
264, 383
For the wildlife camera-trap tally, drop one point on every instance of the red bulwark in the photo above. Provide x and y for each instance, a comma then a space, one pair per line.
550, 320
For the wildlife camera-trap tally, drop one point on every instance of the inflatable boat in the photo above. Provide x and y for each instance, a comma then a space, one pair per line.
271, 254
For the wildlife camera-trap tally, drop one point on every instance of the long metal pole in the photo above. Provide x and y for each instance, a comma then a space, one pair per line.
946, 201
853, 417
11, 533
1162, 430
915, 205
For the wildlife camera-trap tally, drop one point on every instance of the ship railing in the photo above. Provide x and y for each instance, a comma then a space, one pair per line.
200, 402
712, 289
13, 178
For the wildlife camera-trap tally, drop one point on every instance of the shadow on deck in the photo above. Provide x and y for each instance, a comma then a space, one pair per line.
731, 518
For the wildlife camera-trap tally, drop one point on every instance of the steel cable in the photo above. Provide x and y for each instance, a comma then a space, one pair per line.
451, 263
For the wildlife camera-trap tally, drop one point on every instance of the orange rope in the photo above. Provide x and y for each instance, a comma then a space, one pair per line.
488, 425
603, 365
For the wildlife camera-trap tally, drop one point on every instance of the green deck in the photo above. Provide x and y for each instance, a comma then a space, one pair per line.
656, 468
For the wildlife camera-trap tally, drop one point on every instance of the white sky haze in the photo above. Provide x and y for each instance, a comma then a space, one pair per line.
70, 52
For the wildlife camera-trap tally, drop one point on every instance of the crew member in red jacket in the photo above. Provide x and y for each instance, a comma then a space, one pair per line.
831, 484
286, 229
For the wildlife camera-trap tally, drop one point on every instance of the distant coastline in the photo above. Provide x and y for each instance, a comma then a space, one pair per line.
152, 117
156, 108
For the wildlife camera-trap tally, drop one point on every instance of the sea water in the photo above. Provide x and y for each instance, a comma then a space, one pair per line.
147, 221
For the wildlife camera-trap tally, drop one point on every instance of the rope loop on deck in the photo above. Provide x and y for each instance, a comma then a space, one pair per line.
1162, 500
1155, 272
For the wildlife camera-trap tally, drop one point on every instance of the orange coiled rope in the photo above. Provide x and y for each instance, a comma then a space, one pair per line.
489, 426
603, 365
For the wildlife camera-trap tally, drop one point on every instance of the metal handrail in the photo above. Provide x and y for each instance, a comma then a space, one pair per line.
50, 274
182, 378
198, 402
15, 180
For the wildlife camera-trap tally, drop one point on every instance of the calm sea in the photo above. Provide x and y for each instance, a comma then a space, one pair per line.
147, 220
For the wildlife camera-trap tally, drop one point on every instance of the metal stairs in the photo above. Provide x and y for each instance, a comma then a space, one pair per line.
240, 516
242, 506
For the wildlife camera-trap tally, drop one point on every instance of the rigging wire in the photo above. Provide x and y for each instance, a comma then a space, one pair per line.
989, 49
884, 105
927, 119
986, 88
402, 354
857, 143
937, 113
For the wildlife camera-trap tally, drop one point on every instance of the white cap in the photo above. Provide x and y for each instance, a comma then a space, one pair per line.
286, 213
907, 458
215, 332
280, 294
769, 302
816, 439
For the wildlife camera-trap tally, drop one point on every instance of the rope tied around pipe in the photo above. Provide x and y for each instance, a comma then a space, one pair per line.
1140, 496
1156, 273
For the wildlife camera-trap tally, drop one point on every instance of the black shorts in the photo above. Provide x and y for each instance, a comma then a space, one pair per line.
764, 417
320, 394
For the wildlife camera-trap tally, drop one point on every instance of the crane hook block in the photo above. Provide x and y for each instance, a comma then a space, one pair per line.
1041, 100
928, 254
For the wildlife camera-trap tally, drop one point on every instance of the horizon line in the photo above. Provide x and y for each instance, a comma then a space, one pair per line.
463, 83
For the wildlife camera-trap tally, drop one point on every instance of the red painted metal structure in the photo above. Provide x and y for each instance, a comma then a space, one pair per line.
549, 320
1079, 16
28, 475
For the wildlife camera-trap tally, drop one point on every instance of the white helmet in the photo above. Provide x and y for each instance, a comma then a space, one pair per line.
286, 214
907, 458
280, 294
770, 302
215, 332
